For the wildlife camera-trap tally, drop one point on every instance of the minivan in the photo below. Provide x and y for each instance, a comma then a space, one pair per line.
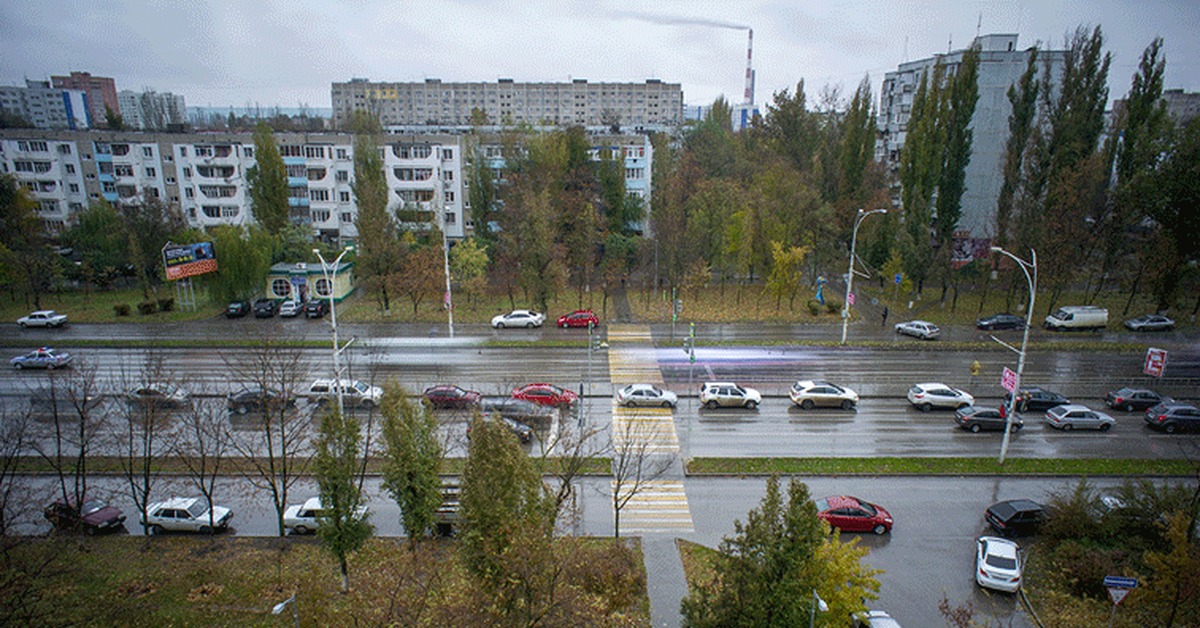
1077, 317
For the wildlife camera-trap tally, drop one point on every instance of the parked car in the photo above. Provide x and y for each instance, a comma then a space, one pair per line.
186, 514
43, 358
578, 318
159, 396
809, 394
646, 395
874, 619
1075, 416
545, 394
518, 318
1174, 417
1015, 517
1036, 399
998, 564
934, 395
1072, 317
919, 329
523, 432
237, 309
316, 308
265, 308
519, 410
305, 518
255, 399
1001, 321
355, 394
94, 516
851, 514
290, 309
1150, 322
727, 394
1130, 399
447, 396
978, 418
43, 318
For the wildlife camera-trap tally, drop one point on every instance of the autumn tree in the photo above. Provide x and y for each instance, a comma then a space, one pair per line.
920, 169
202, 448
1023, 99
637, 462
337, 467
267, 182
98, 236
1179, 222
794, 131
412, 457
149, 225
419, 276
787, 272
379, 254
245, 259
468, 267
26, 261
69, 407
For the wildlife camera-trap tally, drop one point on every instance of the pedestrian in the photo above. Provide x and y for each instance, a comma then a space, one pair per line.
885, 313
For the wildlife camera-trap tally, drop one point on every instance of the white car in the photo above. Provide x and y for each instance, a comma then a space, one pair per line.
646, 395
186, 514
809, 394
290, 309
305, 518
998, 564
519, 318
1072, 416
919, 329
874, 619
727, 394
43, 318
354, 393
934, 395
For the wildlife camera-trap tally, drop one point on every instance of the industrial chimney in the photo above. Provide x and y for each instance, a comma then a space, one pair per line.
748, 97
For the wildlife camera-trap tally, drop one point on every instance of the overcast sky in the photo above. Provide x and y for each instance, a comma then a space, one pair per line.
276, 52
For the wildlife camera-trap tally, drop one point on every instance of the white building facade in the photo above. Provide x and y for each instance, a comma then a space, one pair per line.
47, 107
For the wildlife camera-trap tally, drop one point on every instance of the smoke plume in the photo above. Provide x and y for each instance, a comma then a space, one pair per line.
675, 20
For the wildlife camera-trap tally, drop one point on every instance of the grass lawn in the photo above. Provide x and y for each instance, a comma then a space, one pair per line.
96, 306
698, 564
178, 580
938, 466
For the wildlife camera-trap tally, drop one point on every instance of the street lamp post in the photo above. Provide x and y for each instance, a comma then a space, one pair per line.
1032, 281
330, 273
817, 603
291, 601
850, 275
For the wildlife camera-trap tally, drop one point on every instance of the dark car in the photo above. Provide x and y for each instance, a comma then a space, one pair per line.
1036, 399
265, 308
523, 432
316, 309
447, 396
978, 418
94, 516
1001, 321
526, 412
257, 400
1015, 517
237, 309
1130, 399
1174, 417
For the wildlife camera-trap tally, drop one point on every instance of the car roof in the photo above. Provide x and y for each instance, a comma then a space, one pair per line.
50, 312
707, 384
934, 385
1069, 407
1016, 505
1000, 547
175, 502
842, 501
312, 503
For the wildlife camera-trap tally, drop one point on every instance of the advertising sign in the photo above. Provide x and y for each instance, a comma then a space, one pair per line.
1008, 379
188, 260
1156, 362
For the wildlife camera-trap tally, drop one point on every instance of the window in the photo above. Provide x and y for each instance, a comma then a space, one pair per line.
152, 192
108, 186
290, 150
90, 177
314, 152
74, 187
449, 197
64, 149
189, 193
321, 215
70, 168
322, 288
315, 174
218, 191
413, 174
76, 207
220, 211
341, 153
48, 206
451, 218
344, 197
281, 287
204, 151
447, 175
187, 173
171, 180
347, 217
123, 170
33, 147
151, 173
342, 176
297, 172
635, 173
248, 151
318, 194
183, 151
447, 153
415, 196
147, 151
23, 166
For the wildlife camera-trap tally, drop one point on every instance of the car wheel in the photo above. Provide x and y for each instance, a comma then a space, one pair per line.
752, 404
807, 404
1015, 428
975, 428
847, 405
22, 325
711, 405
1104, 427
367, 404
564, 325
528, 325
242, 409
205, 530
299, 530
49, 367
499, 325
1129, 407
925, 407
18, 366
666, 404
156, 529
1169, 428
879, 529
1066, 427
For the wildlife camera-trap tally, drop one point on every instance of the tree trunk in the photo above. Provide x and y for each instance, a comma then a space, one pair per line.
345, 573
1137, 280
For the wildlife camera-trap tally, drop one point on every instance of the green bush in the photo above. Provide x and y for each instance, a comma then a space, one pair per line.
814, 308
121, 309
147, 307
1081, 569
166, 305
833, 306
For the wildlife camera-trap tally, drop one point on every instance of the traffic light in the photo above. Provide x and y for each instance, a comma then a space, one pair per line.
595, 346
688, 343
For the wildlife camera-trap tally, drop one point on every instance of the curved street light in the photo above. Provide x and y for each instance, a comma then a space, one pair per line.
331, 281
1032, 281
850, 275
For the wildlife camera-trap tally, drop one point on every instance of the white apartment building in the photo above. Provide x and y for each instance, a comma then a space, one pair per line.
653, 105
151, 111
1001, 64
47, 107
51, 171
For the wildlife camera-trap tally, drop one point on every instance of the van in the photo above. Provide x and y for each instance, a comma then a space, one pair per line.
1077, 317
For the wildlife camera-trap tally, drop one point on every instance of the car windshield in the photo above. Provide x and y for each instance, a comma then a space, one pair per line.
92, 505
822, 505
1001, 562
197, 508
360, 387
868, 507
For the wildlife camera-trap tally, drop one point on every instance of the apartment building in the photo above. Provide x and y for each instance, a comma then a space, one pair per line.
653, 105
1001, 64
152, 111
47, 107
101, 92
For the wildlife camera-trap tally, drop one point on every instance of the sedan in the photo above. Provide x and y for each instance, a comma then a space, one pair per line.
523, 432
44, 358
578, 318
1150, 322
919, 329
290, 309
934, 395
1174, 417
306, 518
93, 517
237, 309
1001, 321
998, 564
810, 394
646, 395
1130, 399
519, 410
1036, 399
519, 318
978, 418
446, 396
851, 514
158, 396
257, 400
545, 394
43, 318
1072, 416
186, 515
316, 308
1014, 517
265, 308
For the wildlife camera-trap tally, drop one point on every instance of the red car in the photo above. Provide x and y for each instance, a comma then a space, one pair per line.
447, 396
578, 318
545, 394
851, 514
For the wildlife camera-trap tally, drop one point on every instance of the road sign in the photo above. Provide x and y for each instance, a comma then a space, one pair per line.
1008, 379
1156, 362
898, 278
850, 298
1117, 594
1120, 582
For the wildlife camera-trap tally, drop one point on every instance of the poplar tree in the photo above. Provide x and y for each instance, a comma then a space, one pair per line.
267, 181
343, 523
379, 256
412, 458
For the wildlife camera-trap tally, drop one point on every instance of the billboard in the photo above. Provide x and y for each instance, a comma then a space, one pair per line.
188, 260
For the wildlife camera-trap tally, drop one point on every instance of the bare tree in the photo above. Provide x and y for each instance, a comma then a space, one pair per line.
567, 448
202, 446
146, 429
14, 430
636, 460
275, 435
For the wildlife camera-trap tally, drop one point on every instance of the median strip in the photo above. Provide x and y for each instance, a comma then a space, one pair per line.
938, 466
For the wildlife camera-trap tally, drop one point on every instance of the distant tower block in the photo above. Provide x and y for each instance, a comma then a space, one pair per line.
748, 96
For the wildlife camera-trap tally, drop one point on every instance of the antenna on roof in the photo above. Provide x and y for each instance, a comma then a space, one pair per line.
979, 24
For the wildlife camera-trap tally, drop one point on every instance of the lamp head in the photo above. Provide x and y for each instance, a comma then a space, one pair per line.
316, 251
278, 608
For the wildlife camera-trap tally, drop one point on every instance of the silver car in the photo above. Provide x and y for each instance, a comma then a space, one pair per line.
810, 394
646, 395
727, 394
519, 318
919, 329
1075, 416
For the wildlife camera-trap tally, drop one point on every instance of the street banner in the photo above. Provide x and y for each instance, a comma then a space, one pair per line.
1156, 362
188, 260
1008, 379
